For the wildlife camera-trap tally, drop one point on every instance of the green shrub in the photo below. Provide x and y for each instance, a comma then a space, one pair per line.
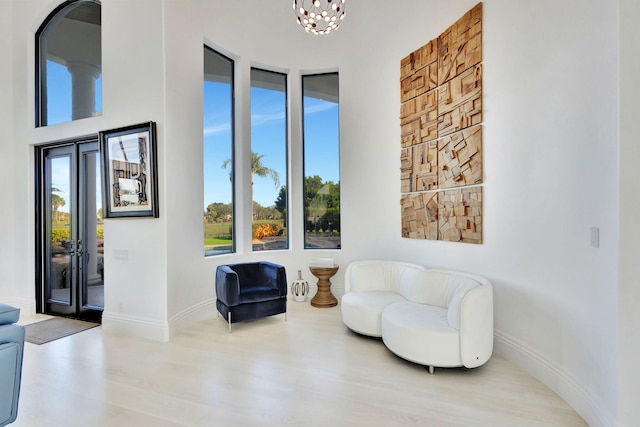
60, 234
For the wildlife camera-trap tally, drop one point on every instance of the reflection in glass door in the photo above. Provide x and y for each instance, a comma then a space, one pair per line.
72, 233
61, 249
91, 250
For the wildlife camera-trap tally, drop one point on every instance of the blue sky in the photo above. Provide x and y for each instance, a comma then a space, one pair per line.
268, 136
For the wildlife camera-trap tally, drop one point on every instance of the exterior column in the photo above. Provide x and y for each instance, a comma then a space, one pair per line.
83, 89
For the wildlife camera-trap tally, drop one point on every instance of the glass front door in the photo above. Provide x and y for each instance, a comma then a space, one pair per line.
72, 279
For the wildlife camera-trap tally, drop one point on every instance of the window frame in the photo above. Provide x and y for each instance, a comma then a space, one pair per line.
286, 217
41, 97
304, 164
232, 124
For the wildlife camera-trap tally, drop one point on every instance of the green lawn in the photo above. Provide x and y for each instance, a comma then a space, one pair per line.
217, 233
213, 241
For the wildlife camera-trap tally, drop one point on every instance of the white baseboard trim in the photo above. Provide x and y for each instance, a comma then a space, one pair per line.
27, 306
135, 326
195, 314
553, 376
158, 331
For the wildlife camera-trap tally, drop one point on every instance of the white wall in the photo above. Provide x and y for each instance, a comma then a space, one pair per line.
551, 167
8, 288
550, 157
133, 92
629, 291
550, 150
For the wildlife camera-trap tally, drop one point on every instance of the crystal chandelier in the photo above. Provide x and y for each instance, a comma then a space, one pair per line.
319, 16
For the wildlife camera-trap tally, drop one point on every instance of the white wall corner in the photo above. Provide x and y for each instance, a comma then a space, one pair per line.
194, 314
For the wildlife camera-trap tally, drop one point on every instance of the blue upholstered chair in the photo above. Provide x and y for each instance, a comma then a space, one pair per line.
11, 346
251, 290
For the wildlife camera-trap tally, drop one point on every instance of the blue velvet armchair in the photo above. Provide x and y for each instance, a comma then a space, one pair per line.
11, 347
251, 290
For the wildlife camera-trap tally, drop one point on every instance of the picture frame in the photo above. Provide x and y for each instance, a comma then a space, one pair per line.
129, 171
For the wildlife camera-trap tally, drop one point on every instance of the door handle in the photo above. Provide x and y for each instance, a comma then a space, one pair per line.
76, 248
71, 248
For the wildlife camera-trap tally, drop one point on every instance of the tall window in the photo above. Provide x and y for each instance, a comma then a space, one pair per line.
269, 159
321, 133
69, 64
218, 154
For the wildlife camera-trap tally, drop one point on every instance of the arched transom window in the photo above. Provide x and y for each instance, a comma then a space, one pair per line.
69, 64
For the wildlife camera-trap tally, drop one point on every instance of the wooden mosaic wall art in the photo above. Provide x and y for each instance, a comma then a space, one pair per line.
420, 215
419, 119
419, 71
406, 168
441, 144
425, 167
460, 215
419, 167
460, 158
460, 46
460, 101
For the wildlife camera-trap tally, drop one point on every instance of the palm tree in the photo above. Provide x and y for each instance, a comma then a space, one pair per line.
56, 203
257, 168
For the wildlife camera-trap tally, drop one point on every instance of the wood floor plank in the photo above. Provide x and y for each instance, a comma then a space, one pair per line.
308, 371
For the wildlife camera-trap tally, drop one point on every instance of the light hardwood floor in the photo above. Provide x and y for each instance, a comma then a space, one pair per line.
308, 371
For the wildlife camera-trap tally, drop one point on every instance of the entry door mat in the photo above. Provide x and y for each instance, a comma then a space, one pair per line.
52, 329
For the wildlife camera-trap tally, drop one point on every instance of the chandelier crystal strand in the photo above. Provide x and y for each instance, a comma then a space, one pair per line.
319, 16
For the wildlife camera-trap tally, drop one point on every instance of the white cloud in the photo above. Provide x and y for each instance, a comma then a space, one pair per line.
317, 108
260, 119
217, 129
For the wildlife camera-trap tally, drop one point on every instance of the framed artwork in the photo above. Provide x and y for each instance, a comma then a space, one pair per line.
129, 173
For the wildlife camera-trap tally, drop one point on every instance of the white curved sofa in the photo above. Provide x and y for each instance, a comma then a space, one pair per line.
431, 317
